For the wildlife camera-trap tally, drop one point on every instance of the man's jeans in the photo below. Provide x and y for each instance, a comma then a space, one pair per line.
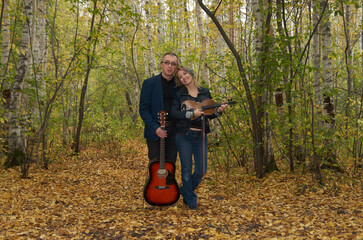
188, 146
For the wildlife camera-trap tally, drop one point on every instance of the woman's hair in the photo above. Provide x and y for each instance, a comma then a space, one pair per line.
185, 69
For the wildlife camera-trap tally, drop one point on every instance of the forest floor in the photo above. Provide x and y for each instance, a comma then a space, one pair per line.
98, 195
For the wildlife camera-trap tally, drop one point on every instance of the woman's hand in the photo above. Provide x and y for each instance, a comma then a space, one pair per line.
222, 108
197, 113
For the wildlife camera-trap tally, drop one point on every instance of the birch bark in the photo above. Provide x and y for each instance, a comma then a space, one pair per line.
328, 87
204, 40
5, 48
151, 66
4, 85
316, 53
17, 142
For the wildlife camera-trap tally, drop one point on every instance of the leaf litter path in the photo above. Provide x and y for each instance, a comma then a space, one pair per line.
98, 195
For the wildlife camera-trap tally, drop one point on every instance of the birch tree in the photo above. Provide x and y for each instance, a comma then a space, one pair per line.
4, 86
149, 53
262, 12
316, 52
185, 41
203, 45
17, 141
5, 48
40, 46
328, 87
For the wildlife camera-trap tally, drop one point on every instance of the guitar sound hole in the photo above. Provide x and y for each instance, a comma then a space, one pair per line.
162, 173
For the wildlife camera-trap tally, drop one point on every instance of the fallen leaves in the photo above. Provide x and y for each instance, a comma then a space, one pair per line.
95, 196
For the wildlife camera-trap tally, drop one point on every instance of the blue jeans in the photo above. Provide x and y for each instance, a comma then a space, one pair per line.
188, 146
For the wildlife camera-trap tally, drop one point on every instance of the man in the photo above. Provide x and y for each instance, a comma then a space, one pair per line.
156, 95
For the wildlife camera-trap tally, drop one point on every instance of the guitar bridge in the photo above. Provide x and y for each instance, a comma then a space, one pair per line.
161, 187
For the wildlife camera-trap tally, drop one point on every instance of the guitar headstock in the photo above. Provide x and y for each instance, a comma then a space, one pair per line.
162, 118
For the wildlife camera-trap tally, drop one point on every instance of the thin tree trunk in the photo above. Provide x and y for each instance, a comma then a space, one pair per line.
39, 48
348, 58
269, 158
315, 162
288, 92
69, 131
257, 131
279, 95
90, 57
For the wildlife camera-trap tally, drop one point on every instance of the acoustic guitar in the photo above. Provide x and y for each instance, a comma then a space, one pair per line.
161, 188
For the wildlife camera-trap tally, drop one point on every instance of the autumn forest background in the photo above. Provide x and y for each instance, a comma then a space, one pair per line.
71, 137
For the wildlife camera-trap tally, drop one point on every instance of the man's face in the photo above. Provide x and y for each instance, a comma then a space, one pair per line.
168, 66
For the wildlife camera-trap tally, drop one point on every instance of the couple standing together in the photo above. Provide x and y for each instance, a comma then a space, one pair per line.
183, 129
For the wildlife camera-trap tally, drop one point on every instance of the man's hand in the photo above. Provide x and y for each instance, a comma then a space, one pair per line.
161, 133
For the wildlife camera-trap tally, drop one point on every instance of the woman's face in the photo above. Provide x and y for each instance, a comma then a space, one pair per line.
185, 78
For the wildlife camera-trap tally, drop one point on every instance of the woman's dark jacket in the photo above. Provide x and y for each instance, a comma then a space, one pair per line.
182, 116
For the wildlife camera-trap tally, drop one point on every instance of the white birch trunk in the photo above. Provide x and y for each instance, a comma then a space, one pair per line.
161, 19
327, 61
5, 48
204, 40
316, 53
328, 87
39, 47
186, 39
257, 8
150, 56
16, 135
260, 10
5, 52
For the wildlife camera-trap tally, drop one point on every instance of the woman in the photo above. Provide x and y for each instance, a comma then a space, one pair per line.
189, 139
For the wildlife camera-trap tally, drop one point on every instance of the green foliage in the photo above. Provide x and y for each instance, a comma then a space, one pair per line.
121, 62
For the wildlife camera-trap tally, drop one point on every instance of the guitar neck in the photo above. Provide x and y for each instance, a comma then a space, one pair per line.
162, 153
162, 116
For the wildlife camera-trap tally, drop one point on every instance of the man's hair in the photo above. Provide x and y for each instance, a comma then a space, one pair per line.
171, 54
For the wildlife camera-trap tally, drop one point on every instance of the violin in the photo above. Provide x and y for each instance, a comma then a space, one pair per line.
207, 105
